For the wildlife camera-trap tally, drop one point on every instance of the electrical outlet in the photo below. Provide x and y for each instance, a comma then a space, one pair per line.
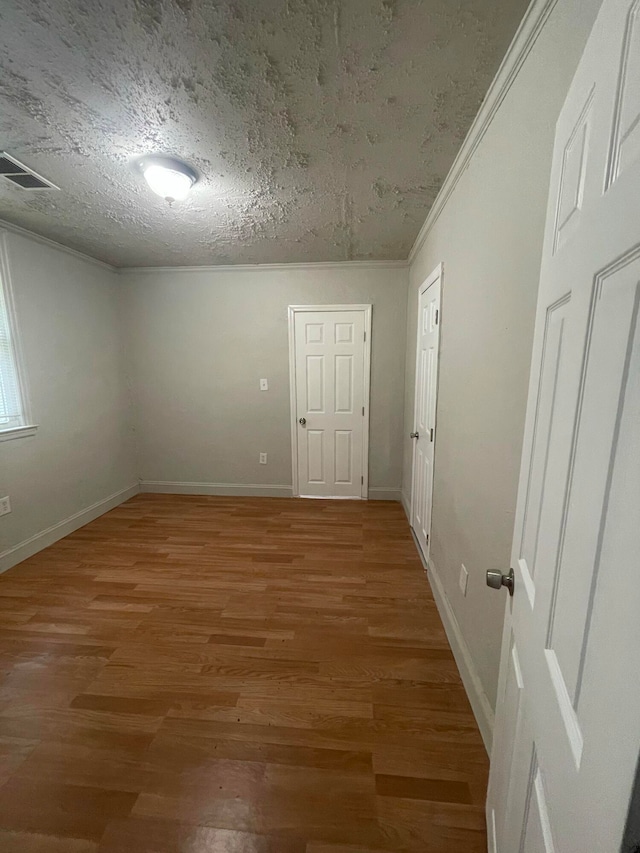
5, 506
263, 458
264, 385
464, 579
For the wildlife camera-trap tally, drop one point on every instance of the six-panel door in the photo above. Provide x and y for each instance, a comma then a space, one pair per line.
567, 732
330, 398
425, 409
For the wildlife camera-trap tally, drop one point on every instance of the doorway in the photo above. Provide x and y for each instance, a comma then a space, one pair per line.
424, 430
329, 364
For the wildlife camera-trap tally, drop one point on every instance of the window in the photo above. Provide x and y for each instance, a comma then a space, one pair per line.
13, 414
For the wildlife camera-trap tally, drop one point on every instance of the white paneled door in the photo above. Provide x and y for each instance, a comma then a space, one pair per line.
330, 399
424, 433
567, 731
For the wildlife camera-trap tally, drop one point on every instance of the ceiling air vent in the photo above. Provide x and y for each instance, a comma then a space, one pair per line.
16, 172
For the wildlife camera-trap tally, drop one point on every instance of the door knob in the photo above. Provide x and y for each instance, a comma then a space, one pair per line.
302, 421
496, 579
414, 435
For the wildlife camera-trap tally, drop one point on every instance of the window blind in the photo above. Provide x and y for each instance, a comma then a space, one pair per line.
10, 401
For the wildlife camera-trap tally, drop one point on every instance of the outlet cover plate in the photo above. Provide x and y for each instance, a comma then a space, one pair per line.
263, 458
5, 506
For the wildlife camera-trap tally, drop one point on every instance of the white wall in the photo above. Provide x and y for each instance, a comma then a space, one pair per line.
200, 340
489, 236
68, 314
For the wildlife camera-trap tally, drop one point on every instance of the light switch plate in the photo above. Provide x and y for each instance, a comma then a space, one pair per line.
464, 579
264, 385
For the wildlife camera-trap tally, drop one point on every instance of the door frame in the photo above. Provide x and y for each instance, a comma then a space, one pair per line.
297, 309
436, 276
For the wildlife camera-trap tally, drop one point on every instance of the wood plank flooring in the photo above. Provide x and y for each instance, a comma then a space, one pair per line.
239, 675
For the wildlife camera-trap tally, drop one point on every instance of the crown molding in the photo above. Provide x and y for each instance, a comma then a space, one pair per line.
52, 244
318, 265
168, 487
526, 36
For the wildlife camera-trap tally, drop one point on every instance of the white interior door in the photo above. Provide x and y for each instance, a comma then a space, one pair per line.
330, 382
424, 433
568, 717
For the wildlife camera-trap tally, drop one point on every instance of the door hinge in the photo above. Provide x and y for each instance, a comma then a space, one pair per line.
427, 537
431, 434
365, 336
363, 411
362, 480
437, 315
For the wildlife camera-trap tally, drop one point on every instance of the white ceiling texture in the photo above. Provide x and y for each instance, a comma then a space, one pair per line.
321, 129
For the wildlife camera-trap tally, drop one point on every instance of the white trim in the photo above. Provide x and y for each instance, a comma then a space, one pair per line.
522, 44
406, 504
350, 307
168, 487
6, 283
435, 278
480, 705
18, 432
330, 497
52, 244
29, 547
479, 700
311, 265
367, 311
293, 405
491, 832
380, 493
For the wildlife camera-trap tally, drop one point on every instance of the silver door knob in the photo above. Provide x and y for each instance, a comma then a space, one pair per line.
414, 435
302, 421
496, 580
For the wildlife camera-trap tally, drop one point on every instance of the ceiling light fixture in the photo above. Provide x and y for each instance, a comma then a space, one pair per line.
169, 178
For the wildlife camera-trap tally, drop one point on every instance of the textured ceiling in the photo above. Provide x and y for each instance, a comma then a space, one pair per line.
322, 129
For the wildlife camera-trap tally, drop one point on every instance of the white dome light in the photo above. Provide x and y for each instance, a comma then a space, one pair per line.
169, 178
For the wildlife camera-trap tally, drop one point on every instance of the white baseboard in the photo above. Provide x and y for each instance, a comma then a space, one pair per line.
31, 546
480, 704
380, 493
406, 503
166, 487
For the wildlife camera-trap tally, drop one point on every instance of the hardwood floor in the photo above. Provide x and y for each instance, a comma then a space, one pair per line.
237, 675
